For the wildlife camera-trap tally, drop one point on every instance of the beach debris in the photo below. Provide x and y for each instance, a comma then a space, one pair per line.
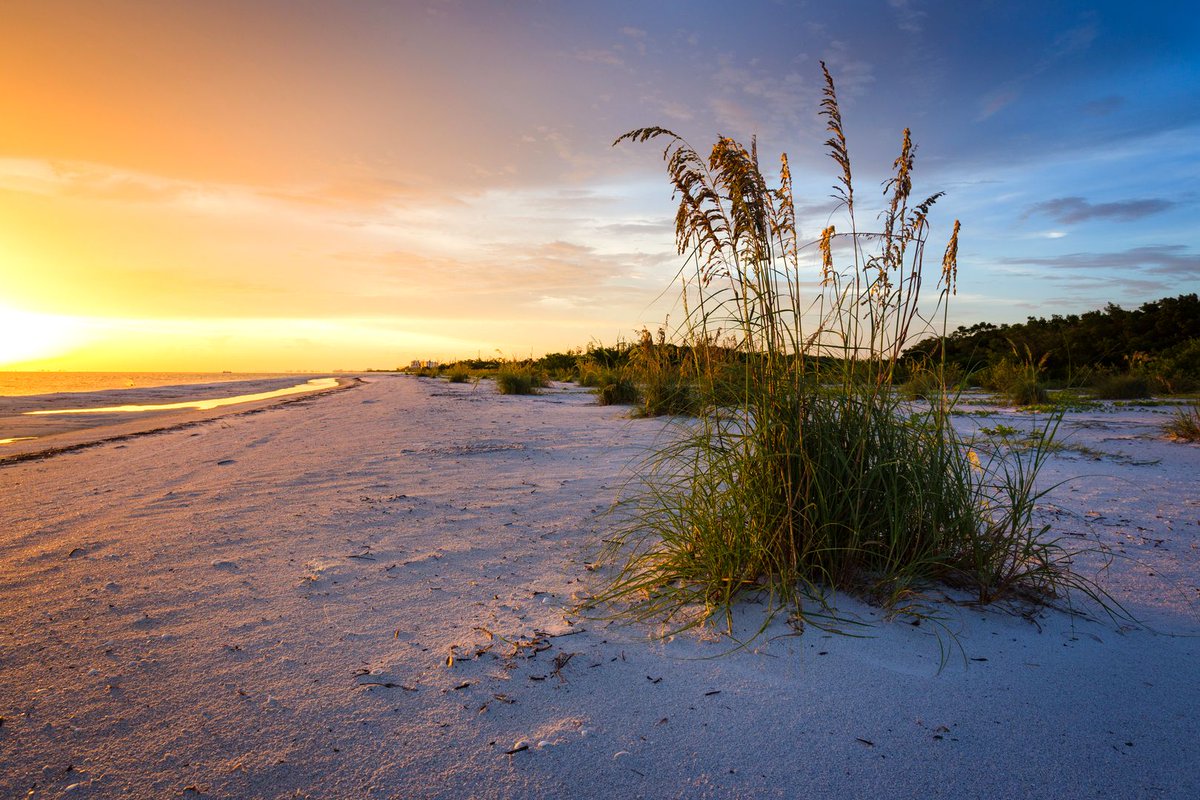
560, 661
225, 565
714, 691
226, 461
78, 551
866, 742
517, 747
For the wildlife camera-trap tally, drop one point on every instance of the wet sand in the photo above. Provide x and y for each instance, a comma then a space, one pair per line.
47, 423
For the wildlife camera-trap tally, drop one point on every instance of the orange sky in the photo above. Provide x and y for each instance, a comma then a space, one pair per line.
318, 185
231, 186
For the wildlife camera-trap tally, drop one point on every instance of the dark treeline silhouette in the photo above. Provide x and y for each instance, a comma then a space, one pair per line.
1161, 337
1159, 343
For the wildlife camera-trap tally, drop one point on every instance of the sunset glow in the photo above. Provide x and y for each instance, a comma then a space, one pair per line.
33, 338
272, 187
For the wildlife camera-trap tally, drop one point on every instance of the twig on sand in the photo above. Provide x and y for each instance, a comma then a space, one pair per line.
560, 661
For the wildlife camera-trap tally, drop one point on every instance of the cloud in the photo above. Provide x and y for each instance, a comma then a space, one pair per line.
996, 101
92, 181
1104, 106
908, 18
600, 56
638, 36
109, 184
1161, 259
677, 111
564, 145
1068, 210
503, 274
1068, 43
748, 98
664, 227
851, 73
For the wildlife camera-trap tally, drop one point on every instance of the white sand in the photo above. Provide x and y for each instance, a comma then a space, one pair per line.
264, 605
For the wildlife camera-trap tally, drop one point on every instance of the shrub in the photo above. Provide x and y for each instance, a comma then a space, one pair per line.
614, 390
512, 379
458, 375
812, 478
1179, 368
1017, 381
1126, 386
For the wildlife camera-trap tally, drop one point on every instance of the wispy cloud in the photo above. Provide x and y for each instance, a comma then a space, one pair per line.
1104, 106
1069, 210
1067, 44
637, 36
1161, 259
909, 18
664, 228
749, 98
600, 56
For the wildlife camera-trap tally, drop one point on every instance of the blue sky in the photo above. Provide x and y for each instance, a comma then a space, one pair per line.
319, 184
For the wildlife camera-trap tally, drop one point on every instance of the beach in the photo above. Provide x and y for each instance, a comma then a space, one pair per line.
36, 424
370, 592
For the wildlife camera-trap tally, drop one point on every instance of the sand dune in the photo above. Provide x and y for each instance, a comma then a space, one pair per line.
365, 593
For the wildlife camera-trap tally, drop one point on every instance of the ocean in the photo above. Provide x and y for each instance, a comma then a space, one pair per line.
22, 384
34, 405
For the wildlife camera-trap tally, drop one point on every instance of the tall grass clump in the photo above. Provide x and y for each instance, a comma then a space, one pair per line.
812, 475
519, 379
661, 377
1185, 426
615, 389
1017, 379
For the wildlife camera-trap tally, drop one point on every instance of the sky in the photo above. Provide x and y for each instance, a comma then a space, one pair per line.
301, 185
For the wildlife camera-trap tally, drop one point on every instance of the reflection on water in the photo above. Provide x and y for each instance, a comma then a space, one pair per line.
201, 405
23, 384
12, 439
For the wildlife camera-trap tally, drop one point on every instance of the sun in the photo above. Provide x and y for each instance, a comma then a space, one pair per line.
27, 336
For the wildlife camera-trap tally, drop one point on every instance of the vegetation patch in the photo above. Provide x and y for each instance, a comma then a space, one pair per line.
1185, 426
517, 379
812, 476
1126, 386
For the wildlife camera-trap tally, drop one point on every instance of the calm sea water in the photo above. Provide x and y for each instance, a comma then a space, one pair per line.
20, 384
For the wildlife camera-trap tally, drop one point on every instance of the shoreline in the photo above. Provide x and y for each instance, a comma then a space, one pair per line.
122, 426
370, 594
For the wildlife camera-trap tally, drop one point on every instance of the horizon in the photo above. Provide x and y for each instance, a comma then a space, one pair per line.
223, 187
